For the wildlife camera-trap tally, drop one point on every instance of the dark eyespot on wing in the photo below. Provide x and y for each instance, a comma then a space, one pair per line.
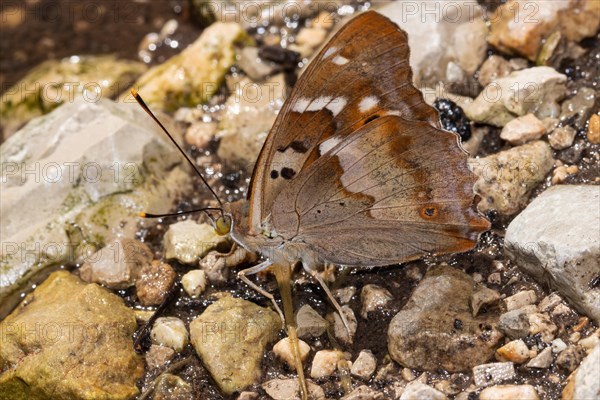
274, 174
297, 145
429, 212
287, 173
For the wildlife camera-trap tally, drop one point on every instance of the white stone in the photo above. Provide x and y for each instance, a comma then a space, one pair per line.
562, 137
493, 373
558, 345
584, 382
170, 332
542, 324
523, 129
364, 365
194, 282
288, 389
187, 241
325, 363
509, 392
373, 297
418, 391
283, 350
542, 360
87, 158
520, 300
556, 239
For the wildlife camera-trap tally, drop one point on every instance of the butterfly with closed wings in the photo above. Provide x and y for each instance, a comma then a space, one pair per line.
356, 170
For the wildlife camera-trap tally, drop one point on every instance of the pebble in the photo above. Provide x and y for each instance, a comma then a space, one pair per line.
364, 366
373, 297
325, 363
283, 350
542, 360
344, 295
495, 278
117, 265
493, 373
549, 302
171, 387
187, 241
407, 374
287, 389
509, 392
542, 324
170, 332
364, 392
339, 329
562, 172
247, 396
311, 37
493, 67
507, 178
591, 341
593, 131
562, 137
559, 228
483, 297
523, 129
199, 134
579, 106
570, 358
309, 323
158, 356
255, 67
154, 283
515, 351
558, 345
520, 300
418, 391
194, 282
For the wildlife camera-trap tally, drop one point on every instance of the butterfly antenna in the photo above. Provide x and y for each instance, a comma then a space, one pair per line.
143, 104
176, 214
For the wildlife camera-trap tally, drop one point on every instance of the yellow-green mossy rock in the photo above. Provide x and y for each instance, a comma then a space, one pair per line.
230, 337
69, 340
195, 74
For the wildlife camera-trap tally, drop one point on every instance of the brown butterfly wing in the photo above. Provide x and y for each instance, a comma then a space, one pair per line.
393, 191
362, 73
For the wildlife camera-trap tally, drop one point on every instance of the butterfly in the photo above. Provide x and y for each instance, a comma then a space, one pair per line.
356, 170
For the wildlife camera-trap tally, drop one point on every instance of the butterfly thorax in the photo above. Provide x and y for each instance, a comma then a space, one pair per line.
265, 240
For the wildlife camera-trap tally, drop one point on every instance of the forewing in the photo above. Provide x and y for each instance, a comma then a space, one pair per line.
361, 74
391, 192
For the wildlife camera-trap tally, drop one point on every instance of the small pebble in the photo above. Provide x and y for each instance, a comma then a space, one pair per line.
523, 129
325, 363
495, 278
158, 356
549, 302
194, 282
483, 297
286, 389
542, 324
561, 173
200, 134
339, 329
493, 373
515, 351
416, 390
575, 337
558, 345
542, 360
493, 67
154, 283
373, 297
364, 365
248, 396
364, 392
520, 299
283, 350
311, 37
570, 358
344, 295
509, 392
309, 323
514, 324
170, 332
562, 137
591, 341
593, 131
407, 374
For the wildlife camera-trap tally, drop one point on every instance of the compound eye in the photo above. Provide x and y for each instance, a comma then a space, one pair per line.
223, 225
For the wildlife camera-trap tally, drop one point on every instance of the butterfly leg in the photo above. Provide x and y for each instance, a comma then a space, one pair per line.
332, 299
254, 270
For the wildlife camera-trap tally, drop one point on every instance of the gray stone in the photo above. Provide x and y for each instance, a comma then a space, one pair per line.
373, 297
492, 69
172, 387
436, 329
343, 334
520, 300
483, 297
253, 65
556, 239
69, 340
562, 137
96, 166
581, 107
309, 323
288, 389
517, 94
364, 365
570, 358
117, 265
364, 392
584, 382
506, 179
493, 373
542, 360
230, 337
